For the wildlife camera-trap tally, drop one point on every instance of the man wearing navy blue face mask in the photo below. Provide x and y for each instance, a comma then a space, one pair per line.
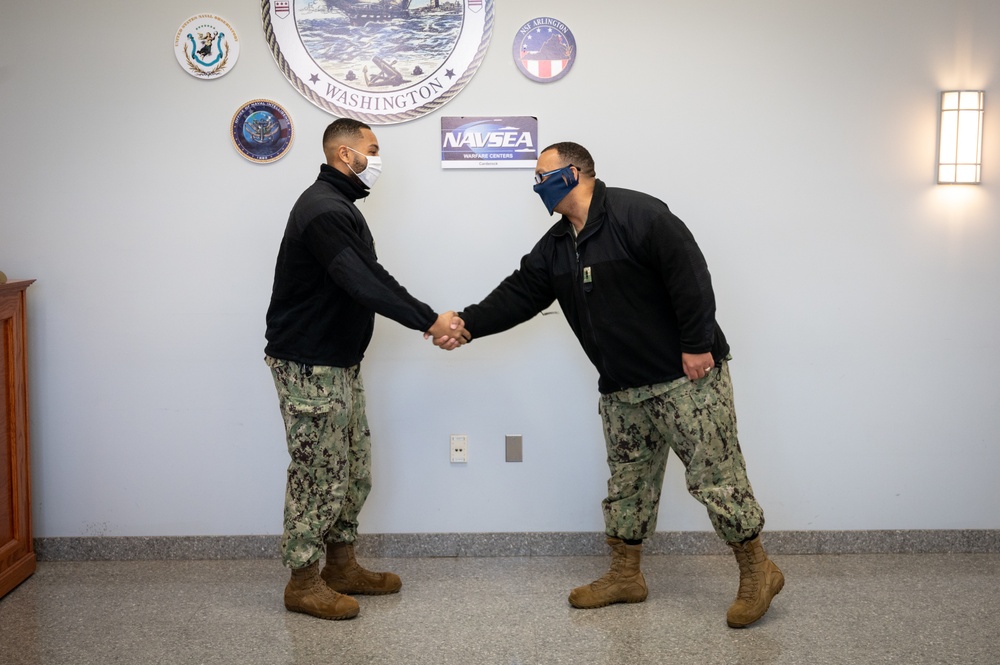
637, 293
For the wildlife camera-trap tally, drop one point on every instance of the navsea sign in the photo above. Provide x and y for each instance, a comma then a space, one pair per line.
509, 142
378, 61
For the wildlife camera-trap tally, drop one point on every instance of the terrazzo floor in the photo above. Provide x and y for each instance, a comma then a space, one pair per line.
864, 608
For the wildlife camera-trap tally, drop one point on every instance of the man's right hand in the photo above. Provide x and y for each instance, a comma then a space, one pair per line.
448, 332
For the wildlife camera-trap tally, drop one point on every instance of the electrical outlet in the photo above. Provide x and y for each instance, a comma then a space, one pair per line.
459, 448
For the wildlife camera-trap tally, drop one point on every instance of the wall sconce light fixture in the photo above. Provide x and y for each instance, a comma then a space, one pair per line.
960, 150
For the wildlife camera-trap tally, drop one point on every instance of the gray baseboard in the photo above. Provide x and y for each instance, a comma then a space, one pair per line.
145, 548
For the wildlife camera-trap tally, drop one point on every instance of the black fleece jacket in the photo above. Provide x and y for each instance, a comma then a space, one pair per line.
328, 283
633, 286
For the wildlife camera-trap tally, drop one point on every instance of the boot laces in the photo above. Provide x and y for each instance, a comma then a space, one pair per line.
615, 573
749, 581
607, 579
355, 569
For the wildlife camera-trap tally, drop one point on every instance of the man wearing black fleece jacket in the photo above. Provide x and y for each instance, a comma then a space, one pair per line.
328, 286
637, 293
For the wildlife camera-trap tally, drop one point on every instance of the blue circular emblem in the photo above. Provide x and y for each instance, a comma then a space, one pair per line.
544, 49
262, 131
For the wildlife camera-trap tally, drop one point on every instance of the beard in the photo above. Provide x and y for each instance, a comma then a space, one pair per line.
357, 166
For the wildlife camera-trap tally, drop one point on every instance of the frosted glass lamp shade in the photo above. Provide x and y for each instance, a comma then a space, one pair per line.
960, 149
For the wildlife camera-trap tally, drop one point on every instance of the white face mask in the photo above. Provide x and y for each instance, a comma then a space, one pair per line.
371, 172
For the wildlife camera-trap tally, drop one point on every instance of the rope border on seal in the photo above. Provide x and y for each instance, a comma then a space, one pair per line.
389, 119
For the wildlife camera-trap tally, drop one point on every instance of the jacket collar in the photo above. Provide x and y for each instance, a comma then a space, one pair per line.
595, 215
346, 186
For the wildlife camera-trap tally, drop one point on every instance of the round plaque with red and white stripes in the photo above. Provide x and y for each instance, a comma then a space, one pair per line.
544, 49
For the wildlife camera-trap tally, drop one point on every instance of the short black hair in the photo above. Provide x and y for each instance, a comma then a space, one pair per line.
343, 128
575, 154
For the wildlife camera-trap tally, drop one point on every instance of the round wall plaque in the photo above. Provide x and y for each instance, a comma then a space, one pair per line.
262, 131
378, 61
206, 46
544, 49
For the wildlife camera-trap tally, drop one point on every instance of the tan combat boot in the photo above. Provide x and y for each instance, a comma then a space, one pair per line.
623, 583
343, 573
760, 581
306, 592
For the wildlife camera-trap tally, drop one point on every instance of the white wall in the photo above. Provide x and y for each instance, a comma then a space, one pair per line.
797, 140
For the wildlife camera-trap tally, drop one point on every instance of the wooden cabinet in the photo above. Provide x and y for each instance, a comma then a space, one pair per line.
17, 553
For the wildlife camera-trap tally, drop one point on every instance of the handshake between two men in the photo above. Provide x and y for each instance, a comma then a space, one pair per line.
448, 332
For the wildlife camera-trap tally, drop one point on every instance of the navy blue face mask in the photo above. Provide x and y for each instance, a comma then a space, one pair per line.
553, 186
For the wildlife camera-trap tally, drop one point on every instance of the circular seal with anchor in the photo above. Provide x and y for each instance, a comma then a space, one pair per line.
378, 61
206, 46
262, 131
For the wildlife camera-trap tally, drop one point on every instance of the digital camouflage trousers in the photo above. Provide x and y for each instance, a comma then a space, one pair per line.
329, 443
695, 419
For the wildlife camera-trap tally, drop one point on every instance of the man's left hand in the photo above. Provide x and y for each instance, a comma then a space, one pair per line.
697, 365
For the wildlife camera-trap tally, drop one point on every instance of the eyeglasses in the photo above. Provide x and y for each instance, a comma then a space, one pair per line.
540, 177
